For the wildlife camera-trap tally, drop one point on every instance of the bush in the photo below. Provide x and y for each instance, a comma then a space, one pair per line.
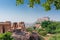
1, 36
6, 36
51, 29
29, 29
43, 33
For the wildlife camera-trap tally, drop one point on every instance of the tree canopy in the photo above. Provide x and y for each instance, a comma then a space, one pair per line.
51, 27
47, 4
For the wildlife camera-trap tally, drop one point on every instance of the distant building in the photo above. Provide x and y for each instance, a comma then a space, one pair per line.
40, 20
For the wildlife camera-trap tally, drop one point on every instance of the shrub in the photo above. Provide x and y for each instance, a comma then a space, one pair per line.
29, 29
6, 36
43, 33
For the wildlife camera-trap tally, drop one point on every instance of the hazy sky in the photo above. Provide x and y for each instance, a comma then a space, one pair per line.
9, 11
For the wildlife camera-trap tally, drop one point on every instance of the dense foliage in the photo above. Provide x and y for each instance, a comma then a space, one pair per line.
47, 4
6, 36
51, 27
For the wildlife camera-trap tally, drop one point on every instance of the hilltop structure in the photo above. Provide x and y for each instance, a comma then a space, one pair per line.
40, 20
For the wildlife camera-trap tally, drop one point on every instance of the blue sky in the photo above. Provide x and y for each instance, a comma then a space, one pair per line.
10, 12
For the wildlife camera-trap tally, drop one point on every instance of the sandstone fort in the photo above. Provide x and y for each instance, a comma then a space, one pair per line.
9, 26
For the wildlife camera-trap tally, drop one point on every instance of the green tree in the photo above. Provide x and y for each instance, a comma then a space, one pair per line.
45, 24
47, 4
50, 26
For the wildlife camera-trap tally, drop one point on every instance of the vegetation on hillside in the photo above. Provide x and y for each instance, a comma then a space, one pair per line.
49, 27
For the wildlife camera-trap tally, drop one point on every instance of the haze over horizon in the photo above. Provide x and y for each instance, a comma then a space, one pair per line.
10, 12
